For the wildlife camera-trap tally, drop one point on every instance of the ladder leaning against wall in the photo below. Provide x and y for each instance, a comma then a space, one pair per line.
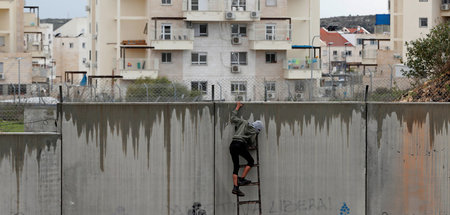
257, 183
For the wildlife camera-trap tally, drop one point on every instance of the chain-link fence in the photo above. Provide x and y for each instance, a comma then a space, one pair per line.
336, 87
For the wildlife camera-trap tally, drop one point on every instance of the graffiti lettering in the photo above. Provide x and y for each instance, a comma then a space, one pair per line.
120, 211
288, 206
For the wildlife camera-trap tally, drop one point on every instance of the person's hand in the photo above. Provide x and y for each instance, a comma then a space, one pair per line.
238, 105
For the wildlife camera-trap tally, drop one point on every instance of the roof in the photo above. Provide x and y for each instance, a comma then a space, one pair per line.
383, 19
361, 30
336, 38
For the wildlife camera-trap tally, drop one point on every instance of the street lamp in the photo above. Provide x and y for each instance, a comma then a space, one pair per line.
311, 64
345, 65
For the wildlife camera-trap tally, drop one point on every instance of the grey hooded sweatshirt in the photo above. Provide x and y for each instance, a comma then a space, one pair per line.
244, 130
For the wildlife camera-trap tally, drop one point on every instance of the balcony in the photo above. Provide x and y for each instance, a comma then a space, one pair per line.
135, 68
270, 37
445, 8
220, 10
295, 69
178, 39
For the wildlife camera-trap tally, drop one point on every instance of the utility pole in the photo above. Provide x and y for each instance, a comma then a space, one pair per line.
18, 59
311, 65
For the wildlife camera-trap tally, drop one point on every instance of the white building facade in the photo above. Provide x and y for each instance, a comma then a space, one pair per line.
232, 44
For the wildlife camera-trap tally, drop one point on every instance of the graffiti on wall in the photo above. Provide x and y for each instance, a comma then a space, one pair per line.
196, 209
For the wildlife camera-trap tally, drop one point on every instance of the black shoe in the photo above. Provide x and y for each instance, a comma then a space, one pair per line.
238, 192
243, 181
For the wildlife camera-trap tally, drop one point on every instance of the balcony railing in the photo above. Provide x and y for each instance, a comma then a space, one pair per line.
211, 5
369, 54
173, 34
175, 39
271, 32
134, 68
303, 64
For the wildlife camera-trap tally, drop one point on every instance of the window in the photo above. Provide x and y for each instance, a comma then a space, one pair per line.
90, 55
1, 89
360, 53
166, 57
349, 53
194, 4
71, 45
166, 2
238, 4
423, 22
238, 87
270, 32
166, 31
271, 3
238, 58
13, 89
334, 53
2, 41
200, 86
83, 45
270, 86
1, 71
238, 30
271, 57
373, 42
199, 58
299, 86
201, 30
423, 0
359, 41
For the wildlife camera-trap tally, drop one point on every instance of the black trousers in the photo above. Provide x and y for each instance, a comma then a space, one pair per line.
240, 148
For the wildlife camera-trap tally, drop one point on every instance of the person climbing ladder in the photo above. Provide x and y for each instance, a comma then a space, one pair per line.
244, 137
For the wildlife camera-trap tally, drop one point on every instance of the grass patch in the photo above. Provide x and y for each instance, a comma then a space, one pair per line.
12, 126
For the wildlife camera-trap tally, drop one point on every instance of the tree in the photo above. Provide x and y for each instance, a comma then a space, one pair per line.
159, 89
428, 56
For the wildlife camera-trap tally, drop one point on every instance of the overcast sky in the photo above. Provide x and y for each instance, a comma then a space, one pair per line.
328, 8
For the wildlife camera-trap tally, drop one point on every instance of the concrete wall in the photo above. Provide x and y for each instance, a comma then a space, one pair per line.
163, 158
408, 159
311, 155
138, 159
40, 119
30, 173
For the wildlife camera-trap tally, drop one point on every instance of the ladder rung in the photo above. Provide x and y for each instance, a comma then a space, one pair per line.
244, 165
249, 202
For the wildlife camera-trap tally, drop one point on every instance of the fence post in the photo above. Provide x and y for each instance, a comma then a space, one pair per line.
371, 80
146, 89
60, 94
212, 92
174, 91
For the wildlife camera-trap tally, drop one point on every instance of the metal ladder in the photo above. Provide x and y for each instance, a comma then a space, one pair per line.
257, 183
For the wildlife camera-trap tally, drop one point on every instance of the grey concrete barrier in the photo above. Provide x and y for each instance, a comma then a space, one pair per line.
409, 159
30, 173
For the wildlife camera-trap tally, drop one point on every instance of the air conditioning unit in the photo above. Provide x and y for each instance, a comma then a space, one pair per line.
230, 15
254, 14
239, 97
271, 95
2, 76
2, 41
235, 69
87, 8
236, 40
343, 54
445, 7
87, 64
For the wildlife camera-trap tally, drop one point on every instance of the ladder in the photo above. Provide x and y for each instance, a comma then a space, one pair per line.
257, 183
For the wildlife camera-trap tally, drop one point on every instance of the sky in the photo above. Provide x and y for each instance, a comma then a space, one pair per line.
328, 8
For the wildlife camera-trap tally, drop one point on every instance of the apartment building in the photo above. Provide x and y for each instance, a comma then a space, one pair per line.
15, 63
71, 48
412, 19
232, 44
